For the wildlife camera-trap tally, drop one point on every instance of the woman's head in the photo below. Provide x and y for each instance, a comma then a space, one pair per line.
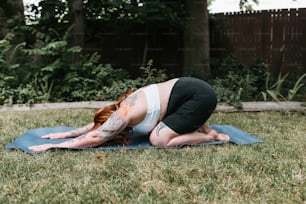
104, 113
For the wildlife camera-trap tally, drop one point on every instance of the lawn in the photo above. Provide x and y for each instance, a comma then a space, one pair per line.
270, 172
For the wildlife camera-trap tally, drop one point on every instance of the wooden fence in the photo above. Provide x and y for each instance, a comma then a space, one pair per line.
131, 46
276, 36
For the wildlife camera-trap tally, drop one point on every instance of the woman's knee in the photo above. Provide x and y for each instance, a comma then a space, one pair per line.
157, 140
161, 135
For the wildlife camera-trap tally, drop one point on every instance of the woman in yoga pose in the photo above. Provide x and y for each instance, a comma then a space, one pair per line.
171, 113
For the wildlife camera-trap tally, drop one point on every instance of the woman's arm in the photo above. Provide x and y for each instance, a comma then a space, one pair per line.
83, 141
112, 127
72, 133
116, 123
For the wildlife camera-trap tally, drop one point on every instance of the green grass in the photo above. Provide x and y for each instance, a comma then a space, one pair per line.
271, 172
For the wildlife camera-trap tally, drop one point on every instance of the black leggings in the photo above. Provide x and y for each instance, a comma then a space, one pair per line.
191, 103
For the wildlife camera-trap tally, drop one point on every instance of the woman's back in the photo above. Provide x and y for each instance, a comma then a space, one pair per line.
139, 105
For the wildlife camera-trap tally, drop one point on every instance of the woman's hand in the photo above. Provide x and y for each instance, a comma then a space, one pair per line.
41, 148
59, 135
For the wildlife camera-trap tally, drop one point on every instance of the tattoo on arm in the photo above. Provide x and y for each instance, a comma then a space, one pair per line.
160, 126
112, 127
118, 120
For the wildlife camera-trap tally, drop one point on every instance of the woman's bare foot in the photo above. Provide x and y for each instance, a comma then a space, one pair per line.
218, 136
212, 132
221, 137
205, 129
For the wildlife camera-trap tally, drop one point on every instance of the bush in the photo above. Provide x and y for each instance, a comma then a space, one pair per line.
235, 83
51, 71
277, 92
150, 75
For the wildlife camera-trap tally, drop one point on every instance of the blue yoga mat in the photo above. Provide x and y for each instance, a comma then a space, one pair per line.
33, 137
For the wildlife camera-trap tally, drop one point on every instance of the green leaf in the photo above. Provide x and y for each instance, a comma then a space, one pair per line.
273, 94
75, 49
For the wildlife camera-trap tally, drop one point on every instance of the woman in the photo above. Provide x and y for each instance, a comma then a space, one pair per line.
172, 113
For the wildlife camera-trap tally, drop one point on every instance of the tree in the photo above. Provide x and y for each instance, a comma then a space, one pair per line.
76, 12
151, 13
196, 40
11, 14
196, 37
247, 4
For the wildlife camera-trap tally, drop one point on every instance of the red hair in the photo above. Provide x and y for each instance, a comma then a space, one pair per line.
104, 113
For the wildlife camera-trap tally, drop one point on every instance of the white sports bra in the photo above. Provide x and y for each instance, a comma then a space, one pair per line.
153, 111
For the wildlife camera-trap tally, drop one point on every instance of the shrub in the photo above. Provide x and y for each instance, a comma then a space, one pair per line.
276, 91
50, 71
235, 83
150, 75
234, 88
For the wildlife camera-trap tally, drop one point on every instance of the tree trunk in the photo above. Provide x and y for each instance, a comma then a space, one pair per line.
196, 40
10, 9
77, 20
